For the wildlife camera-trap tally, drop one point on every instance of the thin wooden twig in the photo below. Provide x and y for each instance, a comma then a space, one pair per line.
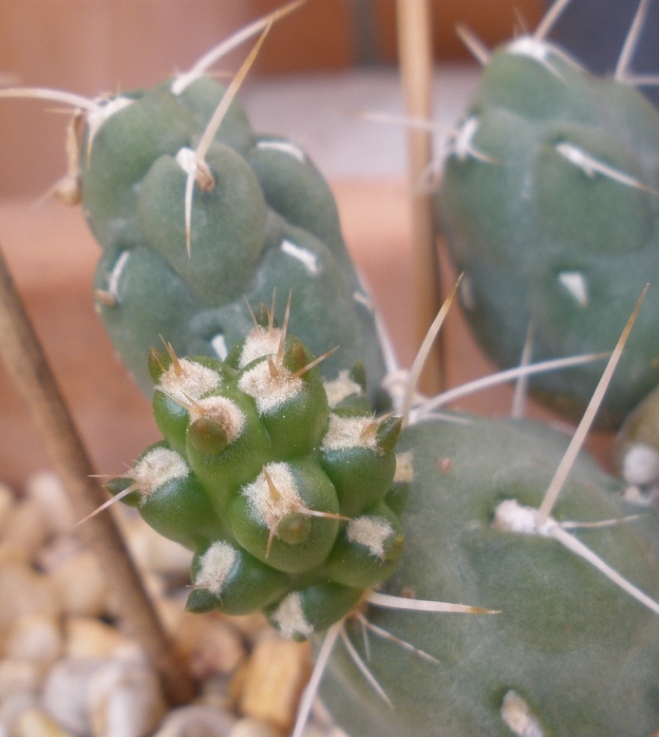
36, 384
415, 59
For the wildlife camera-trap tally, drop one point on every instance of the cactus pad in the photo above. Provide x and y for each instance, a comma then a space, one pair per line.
569, 655
550, 205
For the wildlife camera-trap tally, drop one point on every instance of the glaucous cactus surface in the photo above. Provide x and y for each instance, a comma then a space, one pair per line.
262, 219
569, 655
550, 205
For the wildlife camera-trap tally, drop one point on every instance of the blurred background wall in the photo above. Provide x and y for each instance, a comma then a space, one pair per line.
92, 46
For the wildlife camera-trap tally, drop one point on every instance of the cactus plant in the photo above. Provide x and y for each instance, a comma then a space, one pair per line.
287, 486
276, 481
549, 204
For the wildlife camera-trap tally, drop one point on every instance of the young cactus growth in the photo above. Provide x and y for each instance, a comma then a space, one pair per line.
550, 205
277, 483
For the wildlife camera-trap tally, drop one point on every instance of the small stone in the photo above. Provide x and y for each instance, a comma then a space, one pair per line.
36, 723
36, 638
24, 592
210, 644
18, 676
125, 700
82, 587
86, 637
47, 490
65, 694
196, 721
26, 528
12, 709
253, 728
274, 679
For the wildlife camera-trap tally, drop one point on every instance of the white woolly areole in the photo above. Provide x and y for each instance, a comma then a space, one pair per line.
640, 464
511, 516
272, 507
269, 391
158, 466
290, 618
191, 381
517, 714
349, 432
404, 467
223, 411
371, 532
259, 343
340, 388
214, 567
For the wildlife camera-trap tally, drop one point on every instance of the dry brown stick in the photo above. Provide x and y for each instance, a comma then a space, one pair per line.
28, 367
415, 60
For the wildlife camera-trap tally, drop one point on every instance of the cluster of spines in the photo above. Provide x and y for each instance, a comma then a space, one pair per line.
276, 481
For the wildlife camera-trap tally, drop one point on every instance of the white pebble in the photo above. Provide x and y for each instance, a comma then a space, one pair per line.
86, 637
196, 721
47, 490
35, 723
36, 638
65, 694
81, 585
253, 728
125, 700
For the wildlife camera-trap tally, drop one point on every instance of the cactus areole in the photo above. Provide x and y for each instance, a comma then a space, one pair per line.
550, 205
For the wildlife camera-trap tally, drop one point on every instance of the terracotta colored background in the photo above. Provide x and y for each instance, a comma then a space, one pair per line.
91, 46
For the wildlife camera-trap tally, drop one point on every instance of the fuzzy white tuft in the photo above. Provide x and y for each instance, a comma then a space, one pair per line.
371, 532
272, 507
223, 411
518, 716
349, 432
215, 565
404, 467
290, 617
158, 466
259, 343
340, 388
188, 380
269, 391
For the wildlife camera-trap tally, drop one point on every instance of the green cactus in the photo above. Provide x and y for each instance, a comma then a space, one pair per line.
550, 205
273, 468
276, 482
195, 213
264, 220
570, 654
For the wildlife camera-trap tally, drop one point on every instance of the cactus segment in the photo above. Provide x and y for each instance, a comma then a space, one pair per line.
248, 214
549, 205
241, 478
570, 649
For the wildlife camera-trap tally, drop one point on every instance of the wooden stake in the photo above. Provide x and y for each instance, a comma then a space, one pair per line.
28, 367
415, 59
